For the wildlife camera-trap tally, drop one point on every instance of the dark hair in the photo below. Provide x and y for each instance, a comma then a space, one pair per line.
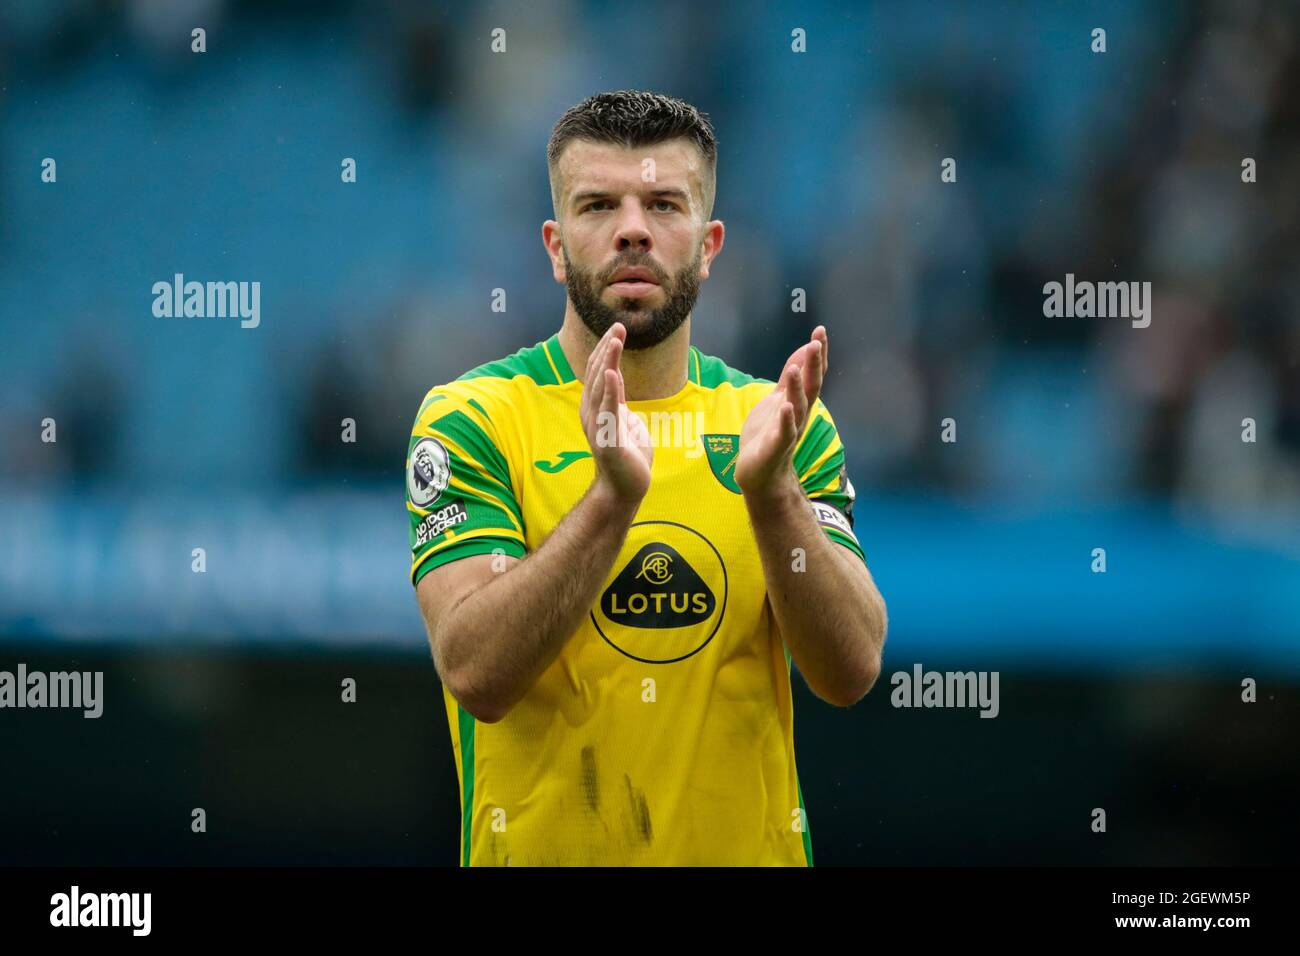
634, 118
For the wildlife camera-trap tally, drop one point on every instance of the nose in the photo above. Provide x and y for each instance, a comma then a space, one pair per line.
631, 230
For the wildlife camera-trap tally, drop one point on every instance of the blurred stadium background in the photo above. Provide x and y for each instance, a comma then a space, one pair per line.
1119, 690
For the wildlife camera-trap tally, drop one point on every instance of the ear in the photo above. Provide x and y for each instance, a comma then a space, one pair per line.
715, 234
552, 241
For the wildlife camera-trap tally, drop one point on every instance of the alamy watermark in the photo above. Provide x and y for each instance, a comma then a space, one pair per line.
922, 688
1100, 300
664, 429
79, 690
75, 908
214, 300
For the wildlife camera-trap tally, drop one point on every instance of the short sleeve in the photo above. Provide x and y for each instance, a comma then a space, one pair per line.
819, 463
459, 494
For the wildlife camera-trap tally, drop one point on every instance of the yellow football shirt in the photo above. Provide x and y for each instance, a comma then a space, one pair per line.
663, 734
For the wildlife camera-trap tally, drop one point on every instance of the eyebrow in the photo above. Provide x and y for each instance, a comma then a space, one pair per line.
579, 198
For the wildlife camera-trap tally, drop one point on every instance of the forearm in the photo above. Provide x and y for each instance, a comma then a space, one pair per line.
506, 633
829, 612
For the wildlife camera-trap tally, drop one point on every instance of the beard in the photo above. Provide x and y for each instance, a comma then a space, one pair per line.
646, 327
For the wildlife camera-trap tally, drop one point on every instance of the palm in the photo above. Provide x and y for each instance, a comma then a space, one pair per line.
760, 441
619, 439
768, 437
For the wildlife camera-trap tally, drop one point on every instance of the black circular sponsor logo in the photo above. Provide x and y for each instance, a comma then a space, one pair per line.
667, 598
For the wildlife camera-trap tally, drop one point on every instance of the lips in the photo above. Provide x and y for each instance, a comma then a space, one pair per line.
630, 276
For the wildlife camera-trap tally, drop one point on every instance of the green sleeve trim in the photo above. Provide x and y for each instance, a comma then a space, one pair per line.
839, 537
816, 439
824, 482
484, 494
486, 545
466, 724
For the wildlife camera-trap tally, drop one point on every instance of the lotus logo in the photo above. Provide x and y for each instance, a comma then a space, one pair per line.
656, 567
667, 596
658, 588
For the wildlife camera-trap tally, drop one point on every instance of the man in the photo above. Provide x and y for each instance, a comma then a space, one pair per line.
619, 543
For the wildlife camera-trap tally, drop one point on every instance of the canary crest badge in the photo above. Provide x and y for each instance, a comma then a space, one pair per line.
722, 451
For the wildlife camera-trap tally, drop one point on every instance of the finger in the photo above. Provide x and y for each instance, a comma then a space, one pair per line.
820, 335
595, 361
609, 354
614, 380
794, 393
591, 356
609, 391
804, 357
789, 432
614, 353
789, 381
609, 403
623, 414
598, 359
813, 372
596, 390
604, 361
784, 431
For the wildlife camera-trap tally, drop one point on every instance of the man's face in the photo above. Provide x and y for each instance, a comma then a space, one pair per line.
632, 209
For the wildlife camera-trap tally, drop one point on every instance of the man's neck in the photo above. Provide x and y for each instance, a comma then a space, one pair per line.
656, 372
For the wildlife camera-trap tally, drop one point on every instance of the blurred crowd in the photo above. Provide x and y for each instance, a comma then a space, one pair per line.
1117, 166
